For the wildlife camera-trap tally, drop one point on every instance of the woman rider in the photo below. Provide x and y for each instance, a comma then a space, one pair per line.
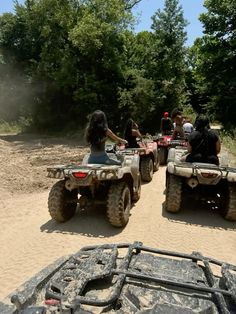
203, 143
131, 133
96, 134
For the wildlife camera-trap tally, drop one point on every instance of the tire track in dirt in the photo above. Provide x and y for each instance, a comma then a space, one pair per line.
30, 240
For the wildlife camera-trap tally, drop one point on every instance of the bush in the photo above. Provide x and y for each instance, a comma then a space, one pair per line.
15, 126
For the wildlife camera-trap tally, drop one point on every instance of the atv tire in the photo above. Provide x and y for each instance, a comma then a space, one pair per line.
118, 204
146, 169
59, 206
229, 210
157, 164
137, 194
173, 193
163, 155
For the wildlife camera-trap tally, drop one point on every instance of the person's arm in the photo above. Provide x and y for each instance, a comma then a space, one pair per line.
189, 147
218, 146
115, 138
136, 133
174, 134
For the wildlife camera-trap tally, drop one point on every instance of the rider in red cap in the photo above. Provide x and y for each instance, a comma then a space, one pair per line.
166, 124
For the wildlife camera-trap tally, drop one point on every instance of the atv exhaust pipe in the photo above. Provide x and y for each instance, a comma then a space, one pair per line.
192, 182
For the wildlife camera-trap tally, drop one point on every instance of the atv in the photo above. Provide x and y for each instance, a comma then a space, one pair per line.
112, 186
149, 157
165, 142
128, 278
210, 183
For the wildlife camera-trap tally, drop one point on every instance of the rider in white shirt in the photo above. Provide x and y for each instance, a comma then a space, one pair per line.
187, 126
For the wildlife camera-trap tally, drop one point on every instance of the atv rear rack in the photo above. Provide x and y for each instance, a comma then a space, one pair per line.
94, 264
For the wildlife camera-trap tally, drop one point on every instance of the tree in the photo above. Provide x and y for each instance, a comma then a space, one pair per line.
215, 71
168, 56
136, 94
71, 52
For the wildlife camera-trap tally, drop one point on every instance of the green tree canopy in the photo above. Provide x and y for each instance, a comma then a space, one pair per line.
215, 72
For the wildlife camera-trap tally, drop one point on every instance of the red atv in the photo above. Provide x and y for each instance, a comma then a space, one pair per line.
164, 143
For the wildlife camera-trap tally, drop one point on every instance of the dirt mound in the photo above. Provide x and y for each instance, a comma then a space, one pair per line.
24, 160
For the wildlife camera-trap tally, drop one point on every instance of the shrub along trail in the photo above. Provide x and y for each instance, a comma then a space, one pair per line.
30, 240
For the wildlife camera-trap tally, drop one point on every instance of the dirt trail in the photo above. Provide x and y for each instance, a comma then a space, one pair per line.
30, 240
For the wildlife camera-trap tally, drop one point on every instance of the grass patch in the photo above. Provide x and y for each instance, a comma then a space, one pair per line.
9, 127
229, 140
14, 126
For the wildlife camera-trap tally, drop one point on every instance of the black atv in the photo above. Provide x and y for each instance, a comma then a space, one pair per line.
128, 278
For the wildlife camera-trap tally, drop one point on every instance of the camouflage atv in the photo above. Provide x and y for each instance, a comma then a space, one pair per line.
207, 182
149, 158
128, 278
112, 186
164, 143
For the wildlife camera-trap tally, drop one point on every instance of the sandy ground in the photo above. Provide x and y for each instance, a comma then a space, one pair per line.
30, 240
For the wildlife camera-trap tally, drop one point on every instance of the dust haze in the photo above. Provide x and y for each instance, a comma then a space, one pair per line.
16, 94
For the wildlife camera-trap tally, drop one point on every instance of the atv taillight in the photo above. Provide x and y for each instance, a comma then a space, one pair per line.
51, 302
80, 175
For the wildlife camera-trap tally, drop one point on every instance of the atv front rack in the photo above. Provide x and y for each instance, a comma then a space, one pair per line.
121, 275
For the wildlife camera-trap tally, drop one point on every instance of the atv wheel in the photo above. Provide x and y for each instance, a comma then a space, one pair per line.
157, 164
229, 210
163, 155
118, 204
173, 193
146, 169
59, 206
137, 194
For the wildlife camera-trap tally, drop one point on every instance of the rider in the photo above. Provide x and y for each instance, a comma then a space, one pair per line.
131, 133
177, 117
203, 143
166, 124
187, 126
96, 134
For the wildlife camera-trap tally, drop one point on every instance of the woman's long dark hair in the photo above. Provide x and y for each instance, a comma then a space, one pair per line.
128, 129
96, 128
202, 125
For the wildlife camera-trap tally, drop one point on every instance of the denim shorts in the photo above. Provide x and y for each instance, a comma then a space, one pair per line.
102, 158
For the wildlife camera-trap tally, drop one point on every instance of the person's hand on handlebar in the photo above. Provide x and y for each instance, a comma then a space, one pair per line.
122, 141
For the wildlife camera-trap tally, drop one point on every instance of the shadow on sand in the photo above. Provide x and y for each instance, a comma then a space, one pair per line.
90, 223
193, 212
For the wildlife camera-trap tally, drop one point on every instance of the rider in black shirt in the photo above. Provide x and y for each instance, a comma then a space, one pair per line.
203, 143
131, 133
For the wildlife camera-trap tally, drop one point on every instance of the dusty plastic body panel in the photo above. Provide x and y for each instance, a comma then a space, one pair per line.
212, 184
148, 151
165, 143
113, 187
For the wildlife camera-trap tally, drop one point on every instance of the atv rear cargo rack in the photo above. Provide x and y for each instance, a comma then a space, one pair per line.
129, 278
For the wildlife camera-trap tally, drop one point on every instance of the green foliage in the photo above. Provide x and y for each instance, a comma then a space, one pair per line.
78, 56
214, 72
229, 139
189, 112
62, 59
136, 99
168, 55
19, 126
72, 53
